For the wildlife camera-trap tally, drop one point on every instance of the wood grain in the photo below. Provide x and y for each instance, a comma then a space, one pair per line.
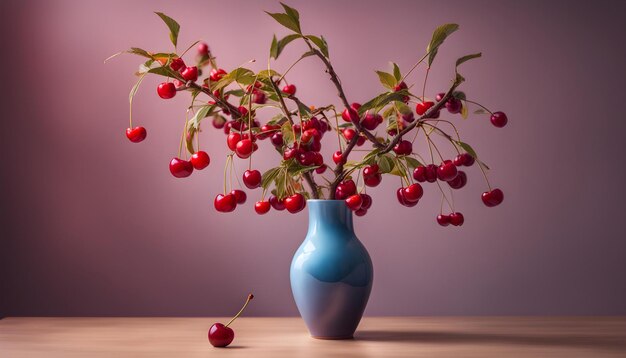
287, 337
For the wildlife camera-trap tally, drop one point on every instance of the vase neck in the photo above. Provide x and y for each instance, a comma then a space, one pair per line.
329, 213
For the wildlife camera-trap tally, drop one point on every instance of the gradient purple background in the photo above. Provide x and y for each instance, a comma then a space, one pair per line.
94, 225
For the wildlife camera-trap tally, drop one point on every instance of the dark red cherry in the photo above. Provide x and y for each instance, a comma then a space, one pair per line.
354, 202
240, 196
190, 73
258, 97
181, 168
419, 174
402, 199
321, 169
459, 181
218, 122
447, 171
136, 134
289, 89
373, 180
220, 335
200, 160
413, 192
337, 157
225, 203
408, 117
366, 201
262, 207
443, 220
345, 189
252, 178
465, 159
457, 219
351, 114
493, 198
277, 139
166, 90
499, 119
370, 122
404, 147
431, 173
360, 212
370, 170
276, 203
454, 105
295, 203
439, 96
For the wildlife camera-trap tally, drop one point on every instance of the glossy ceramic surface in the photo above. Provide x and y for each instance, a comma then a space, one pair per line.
331, 272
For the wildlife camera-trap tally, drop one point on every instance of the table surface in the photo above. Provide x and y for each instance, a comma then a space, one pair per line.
288, 337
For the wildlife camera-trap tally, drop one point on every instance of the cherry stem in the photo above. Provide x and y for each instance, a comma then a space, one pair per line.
228, 157
250, 297
480, 105
188, 48
424, 86
444, 196
480, 165
414, 66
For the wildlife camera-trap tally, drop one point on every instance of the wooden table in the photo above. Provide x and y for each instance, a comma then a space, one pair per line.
287, 337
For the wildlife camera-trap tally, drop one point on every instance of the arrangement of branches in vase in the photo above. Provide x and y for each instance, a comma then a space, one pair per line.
385, 125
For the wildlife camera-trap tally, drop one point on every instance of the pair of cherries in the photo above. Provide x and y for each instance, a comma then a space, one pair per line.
359, 203
225, 203
181, 168
409, 196
293, 203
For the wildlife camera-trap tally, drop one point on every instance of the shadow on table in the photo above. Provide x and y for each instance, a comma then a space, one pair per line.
605, 342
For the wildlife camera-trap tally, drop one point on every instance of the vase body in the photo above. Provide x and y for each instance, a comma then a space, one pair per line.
331, 272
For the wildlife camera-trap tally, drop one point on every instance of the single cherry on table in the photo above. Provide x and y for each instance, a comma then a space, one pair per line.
221, 335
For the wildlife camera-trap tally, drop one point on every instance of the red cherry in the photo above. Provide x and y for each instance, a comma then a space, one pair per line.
337, 157
216, 74
276, 203
181, 168
400, 86
373, 180
371, 121
136, 135
200, 160
351, 114
166, 90
321, 169
240, 196
422, 107
447, 171
431, 173
262, 207
277, 139
221, 335
244, 148
218, 122
370, 170
360, 212
348, 133
439, 96
252, 178
367, 201
345, 189
354, 202
454, 105
457, 219
419, 174
177, 64
190, 73
459, 181
408, 117
443, 220
203, 49
413, 192
499, 119
465, 159
402, 199
493, 198
232, 140
295, 203
290, 153
225, 203
290, 90
259, 97
307, 158
404, 147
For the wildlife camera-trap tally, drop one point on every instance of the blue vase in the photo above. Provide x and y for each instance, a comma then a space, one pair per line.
331, 272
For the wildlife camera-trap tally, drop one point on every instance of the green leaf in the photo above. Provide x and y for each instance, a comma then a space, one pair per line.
287, 131
235, 92
320, 42
287, 21
240, 75
200, 114
459, 95
377, 103
439, 36
412, 162
468, 148
296, 169
385, 163
293, 13
278, 46
480, 111
467, 58
164, 71
403, 108
268, 177
304, 110
396, 72
139, 51
370, 157
387, 79
172, 25
464, 112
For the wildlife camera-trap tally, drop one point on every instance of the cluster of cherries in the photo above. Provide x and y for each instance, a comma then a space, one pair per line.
307, 146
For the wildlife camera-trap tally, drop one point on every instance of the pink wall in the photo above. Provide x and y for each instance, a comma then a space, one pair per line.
93, 225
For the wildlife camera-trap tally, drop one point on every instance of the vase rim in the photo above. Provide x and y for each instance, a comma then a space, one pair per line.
336, 200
